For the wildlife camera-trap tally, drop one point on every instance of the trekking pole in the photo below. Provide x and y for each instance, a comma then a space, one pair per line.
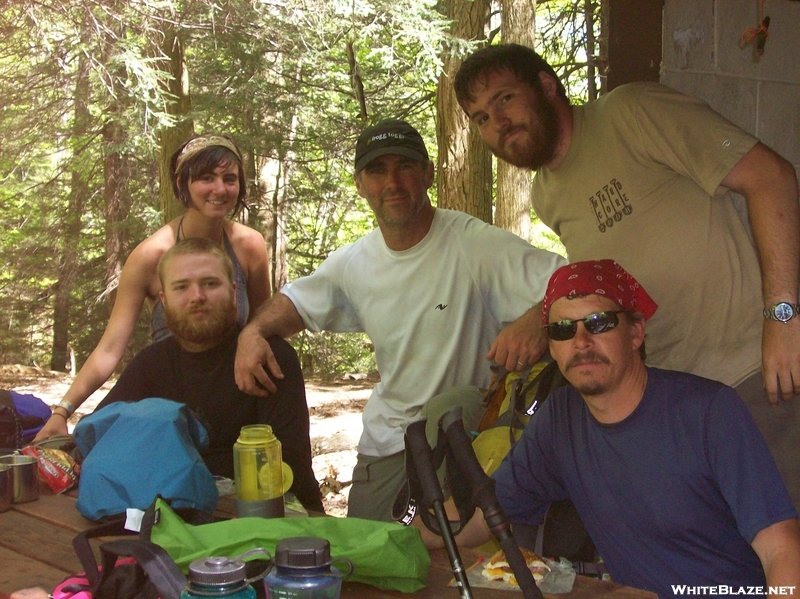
432, 497
484, 497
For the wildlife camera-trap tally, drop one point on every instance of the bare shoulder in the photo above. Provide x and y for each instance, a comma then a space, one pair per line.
247, 241
142, 262
152, 248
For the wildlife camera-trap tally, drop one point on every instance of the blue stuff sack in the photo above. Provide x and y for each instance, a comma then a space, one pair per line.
21, 416
134, 451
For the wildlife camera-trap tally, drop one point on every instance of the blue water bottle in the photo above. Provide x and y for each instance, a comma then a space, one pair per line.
221, 577
303, 570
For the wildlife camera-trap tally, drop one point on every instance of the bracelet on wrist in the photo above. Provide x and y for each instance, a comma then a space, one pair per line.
68, 407
64, 416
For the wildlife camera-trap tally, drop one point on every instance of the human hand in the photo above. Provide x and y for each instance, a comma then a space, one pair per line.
55, 425
780, 359
521, 343
252, 354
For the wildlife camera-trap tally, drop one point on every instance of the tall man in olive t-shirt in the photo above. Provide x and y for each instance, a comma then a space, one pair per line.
641, 176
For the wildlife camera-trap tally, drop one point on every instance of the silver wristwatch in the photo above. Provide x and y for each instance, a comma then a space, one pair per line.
782, 312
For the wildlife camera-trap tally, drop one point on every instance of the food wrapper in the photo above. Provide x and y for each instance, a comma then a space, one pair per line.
559, 580
56, 467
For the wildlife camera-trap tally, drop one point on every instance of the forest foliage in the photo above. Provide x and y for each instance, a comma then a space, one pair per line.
96, 92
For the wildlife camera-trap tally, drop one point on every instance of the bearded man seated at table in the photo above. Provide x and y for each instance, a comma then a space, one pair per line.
194, 366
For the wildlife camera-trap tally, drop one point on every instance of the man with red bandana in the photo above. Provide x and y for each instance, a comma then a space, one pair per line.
667, 470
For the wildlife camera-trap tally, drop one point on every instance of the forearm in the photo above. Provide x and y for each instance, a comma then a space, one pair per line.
776, 230
474, 534
778, 548
96, 370
784, 571
277, 316
769, 184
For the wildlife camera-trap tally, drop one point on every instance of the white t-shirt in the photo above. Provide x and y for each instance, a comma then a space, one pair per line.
431, 311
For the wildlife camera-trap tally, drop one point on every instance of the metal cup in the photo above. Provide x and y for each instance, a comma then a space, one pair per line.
24, 472
6, 487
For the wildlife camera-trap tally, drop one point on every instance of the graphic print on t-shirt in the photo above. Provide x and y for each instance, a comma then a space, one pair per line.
610, 204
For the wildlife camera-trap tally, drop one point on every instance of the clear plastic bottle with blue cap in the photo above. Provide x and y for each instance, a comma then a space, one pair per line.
303, 570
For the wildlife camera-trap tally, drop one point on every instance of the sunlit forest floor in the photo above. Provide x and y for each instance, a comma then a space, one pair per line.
335, 415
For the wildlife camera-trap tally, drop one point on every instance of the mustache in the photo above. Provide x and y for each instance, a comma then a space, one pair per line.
587, 356
509, 132
393, 193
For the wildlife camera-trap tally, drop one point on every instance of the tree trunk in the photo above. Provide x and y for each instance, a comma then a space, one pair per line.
464, 164
116, 172
71, 230
116, 193
277, 198
275, 219
170, 138
513, 210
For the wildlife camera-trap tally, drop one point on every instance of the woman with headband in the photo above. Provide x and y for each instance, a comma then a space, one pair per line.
208, 178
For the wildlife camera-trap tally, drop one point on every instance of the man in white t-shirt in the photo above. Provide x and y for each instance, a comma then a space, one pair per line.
437, 291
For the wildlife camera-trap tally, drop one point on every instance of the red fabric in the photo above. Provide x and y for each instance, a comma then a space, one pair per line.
598, 277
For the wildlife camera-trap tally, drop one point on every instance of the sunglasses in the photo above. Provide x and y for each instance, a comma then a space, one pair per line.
599, 322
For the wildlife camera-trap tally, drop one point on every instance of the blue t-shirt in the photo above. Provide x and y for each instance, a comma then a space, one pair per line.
672, 495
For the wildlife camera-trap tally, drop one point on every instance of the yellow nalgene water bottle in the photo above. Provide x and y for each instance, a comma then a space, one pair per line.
258, 472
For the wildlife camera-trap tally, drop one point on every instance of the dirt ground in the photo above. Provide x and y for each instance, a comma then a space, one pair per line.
335, 416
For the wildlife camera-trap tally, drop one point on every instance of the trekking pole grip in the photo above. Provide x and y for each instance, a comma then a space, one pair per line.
485, 498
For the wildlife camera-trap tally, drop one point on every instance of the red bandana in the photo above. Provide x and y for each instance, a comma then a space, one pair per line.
598, 277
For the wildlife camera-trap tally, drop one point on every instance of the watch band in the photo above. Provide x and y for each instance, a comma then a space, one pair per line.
782, 311
67, 406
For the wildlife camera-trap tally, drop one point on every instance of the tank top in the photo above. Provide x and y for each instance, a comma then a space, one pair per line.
158, 320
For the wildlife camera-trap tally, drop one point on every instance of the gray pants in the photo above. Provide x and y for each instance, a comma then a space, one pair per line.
781, 429
378, 480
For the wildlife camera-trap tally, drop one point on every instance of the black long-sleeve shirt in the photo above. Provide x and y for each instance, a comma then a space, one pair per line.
205, 382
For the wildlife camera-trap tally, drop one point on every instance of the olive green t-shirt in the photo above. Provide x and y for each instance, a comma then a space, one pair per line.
641, 184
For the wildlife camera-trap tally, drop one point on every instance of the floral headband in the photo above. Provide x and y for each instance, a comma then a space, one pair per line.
198, 144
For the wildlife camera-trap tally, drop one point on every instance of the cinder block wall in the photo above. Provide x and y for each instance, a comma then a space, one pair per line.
702, 57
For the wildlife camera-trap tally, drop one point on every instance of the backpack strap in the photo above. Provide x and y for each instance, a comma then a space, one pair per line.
112, 528
154, 561
161, 571
548, 379
493, 399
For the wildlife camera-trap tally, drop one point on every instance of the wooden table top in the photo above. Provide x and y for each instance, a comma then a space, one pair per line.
36, 551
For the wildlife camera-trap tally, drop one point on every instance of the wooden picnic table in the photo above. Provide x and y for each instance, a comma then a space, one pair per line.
36, 551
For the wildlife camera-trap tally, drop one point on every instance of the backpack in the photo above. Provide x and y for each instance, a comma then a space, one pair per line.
511, 400
21, 416
131, 568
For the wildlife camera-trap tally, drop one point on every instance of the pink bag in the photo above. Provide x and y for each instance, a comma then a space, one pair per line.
78, 585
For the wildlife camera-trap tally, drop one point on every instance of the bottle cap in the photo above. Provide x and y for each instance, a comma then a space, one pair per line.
303, 552
217, 571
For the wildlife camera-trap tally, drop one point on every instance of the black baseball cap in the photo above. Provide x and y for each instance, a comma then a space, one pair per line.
391, 136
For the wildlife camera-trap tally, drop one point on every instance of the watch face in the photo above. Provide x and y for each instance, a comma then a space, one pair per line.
783, 312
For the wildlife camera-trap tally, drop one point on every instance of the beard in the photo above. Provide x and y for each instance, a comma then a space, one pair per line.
591, 387
220, 321
538, 147
389, 218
